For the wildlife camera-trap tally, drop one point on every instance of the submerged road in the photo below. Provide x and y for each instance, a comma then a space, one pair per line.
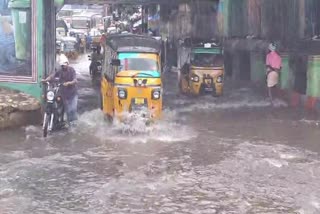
233, 154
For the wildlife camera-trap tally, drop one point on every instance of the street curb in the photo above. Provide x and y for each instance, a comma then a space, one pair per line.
21, 118
18, 109
296, 99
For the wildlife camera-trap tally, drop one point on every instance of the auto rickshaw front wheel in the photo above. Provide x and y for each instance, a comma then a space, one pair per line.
101, 101
181, 91
218, 94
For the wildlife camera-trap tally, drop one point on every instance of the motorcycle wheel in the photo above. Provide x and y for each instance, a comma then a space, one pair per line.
46, 125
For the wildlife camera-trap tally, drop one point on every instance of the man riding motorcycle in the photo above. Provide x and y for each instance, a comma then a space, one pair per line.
95, 57
67, 77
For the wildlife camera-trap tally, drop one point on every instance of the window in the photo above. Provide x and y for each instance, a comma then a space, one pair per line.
15, 41
80, 23
206, 59
109, 72
139, 64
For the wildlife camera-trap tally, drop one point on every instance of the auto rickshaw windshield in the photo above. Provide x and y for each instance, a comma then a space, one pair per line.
139, 64
206, 59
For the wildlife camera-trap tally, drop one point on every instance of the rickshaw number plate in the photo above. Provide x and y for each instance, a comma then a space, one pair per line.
139, 101
208, 81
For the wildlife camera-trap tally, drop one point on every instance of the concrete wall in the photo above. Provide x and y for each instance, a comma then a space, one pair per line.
249, 25
195, 19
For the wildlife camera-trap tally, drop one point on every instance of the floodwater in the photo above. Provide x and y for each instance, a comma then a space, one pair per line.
234, 154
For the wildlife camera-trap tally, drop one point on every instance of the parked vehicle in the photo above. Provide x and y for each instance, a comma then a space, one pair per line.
53, 118
201, 67
85, 22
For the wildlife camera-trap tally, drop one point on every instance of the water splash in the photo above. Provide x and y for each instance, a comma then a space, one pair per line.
168, 129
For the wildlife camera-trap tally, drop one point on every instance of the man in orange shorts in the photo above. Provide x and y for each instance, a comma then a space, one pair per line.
274, 65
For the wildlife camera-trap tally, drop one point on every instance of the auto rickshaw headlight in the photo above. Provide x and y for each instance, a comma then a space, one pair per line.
195, 78
156, 94
122, 93
219, 79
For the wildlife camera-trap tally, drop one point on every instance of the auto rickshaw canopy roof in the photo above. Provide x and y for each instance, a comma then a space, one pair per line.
201, 43
133, 43
215, 50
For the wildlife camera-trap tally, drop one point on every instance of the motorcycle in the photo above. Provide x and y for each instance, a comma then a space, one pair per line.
96, 70
53, 118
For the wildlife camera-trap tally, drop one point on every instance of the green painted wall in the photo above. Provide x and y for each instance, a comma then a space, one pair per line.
313, 76
286, 73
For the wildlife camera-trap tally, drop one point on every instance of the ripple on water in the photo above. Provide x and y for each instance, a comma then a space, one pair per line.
232, 99
228, 104
256, 179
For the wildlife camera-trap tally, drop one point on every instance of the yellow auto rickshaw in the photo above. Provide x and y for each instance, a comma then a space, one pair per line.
202, 68
131, 79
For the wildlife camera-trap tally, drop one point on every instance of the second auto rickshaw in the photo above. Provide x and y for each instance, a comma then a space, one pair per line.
202, 68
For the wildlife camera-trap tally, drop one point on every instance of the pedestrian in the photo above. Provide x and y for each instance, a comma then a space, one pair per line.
273, 66
102, 42
88, 41
103, 39
67, 76
78, 42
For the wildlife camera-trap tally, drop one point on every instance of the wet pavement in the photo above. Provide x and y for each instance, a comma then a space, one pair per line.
234, 154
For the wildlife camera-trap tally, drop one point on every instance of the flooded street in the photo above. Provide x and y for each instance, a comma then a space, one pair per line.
233, 154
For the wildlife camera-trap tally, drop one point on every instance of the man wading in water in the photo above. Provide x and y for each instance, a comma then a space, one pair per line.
274, 65
67, 76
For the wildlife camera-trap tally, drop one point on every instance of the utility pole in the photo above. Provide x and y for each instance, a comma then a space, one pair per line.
144, 18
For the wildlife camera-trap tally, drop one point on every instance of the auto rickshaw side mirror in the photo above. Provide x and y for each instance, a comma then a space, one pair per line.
115, 62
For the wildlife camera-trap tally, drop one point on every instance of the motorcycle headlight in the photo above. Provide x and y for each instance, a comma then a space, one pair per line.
156, 94
122, 93
195, 78
219, 79
50, 95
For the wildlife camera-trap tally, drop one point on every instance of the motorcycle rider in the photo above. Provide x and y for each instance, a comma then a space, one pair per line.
95, 56
67, 76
